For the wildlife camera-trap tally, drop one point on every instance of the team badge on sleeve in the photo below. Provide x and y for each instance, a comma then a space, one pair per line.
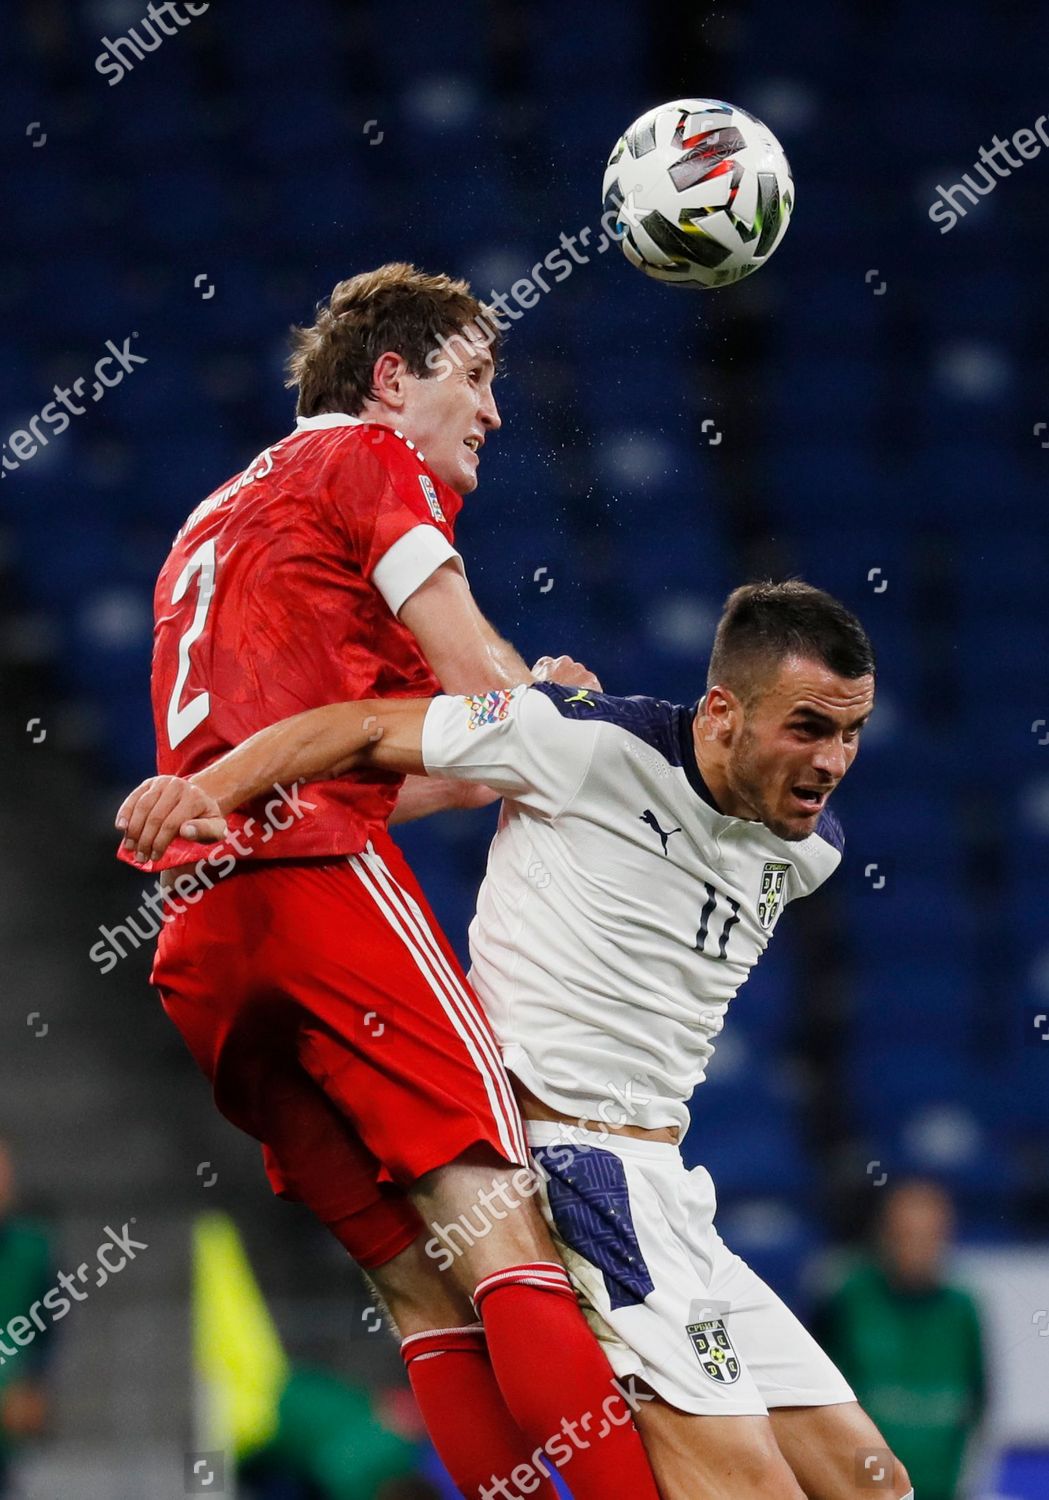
770, 898
488, 708
714, 1350
431, 497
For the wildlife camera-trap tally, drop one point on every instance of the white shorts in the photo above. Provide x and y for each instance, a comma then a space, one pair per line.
667, 1300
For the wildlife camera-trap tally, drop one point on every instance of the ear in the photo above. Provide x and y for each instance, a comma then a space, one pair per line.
388, 380
723, 712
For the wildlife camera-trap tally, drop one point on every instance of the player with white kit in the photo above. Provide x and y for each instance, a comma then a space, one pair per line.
644, 856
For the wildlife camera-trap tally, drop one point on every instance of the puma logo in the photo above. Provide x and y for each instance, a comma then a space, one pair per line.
649, 817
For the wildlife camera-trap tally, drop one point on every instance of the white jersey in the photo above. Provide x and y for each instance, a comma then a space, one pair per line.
621, 911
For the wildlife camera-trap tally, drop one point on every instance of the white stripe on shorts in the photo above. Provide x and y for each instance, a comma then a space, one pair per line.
470, 1007
456, 1002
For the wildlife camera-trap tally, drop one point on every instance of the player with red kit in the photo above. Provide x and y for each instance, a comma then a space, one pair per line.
313, 985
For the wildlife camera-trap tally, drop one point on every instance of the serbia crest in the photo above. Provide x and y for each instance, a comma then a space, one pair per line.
770, 896
714, 1350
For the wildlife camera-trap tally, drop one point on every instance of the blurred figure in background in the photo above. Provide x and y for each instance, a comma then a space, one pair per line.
909, 1342
26, 1274
338, 1441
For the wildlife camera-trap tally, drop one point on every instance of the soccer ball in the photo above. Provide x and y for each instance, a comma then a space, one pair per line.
702, 193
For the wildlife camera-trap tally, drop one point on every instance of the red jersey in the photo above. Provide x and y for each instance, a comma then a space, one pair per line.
281, 594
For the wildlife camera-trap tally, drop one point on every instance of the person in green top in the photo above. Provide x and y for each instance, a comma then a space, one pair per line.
909, 1342
26, 1274
335, 1441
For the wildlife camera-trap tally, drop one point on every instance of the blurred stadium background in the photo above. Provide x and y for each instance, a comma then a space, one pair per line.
866, 412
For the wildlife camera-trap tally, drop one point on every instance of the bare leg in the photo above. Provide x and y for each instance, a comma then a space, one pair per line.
714, 1458
459, 1398
497, 1204
837, 1452
420, 1290
551, 1372
417, 1296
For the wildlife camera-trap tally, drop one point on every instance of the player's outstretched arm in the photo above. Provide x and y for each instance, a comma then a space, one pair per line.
420, 796
316, 745
384, 734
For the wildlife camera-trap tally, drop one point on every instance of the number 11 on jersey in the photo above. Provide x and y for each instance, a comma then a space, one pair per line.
706, 919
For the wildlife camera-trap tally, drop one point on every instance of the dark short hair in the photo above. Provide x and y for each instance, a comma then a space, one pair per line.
395, 309
764, 623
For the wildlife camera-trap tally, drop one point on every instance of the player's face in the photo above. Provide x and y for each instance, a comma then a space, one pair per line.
796, 743
449, 414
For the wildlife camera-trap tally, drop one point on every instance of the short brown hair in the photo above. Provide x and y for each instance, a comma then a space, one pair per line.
397, 309
764, 623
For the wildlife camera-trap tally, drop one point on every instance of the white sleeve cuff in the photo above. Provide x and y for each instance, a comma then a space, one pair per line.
411, 560
435, 724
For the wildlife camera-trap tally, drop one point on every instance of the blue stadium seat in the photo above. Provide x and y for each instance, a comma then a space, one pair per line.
928, 999
886, 1080
763, 1153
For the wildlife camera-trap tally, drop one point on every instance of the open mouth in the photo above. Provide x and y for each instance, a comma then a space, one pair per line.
472, 443
811, 798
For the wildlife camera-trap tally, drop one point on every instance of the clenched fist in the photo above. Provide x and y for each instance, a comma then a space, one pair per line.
566, 671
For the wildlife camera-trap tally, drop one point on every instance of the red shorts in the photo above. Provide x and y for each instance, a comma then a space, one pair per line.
326, 1007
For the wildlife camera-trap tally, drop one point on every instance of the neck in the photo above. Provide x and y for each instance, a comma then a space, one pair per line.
712, 761
375, 411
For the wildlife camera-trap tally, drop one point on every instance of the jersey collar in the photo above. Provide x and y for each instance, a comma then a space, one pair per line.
343, 419
327, 419
450, 501
687, 749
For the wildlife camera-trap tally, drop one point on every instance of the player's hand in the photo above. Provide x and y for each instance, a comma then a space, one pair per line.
166, 806
566, 671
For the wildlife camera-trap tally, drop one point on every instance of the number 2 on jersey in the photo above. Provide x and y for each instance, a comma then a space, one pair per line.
182, 721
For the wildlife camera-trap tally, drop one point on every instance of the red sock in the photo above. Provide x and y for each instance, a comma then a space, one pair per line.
478, 1440
557, 1383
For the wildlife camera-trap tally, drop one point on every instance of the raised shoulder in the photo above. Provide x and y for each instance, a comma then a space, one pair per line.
666, 727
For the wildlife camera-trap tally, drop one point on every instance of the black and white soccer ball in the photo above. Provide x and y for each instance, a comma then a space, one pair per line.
701, 191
